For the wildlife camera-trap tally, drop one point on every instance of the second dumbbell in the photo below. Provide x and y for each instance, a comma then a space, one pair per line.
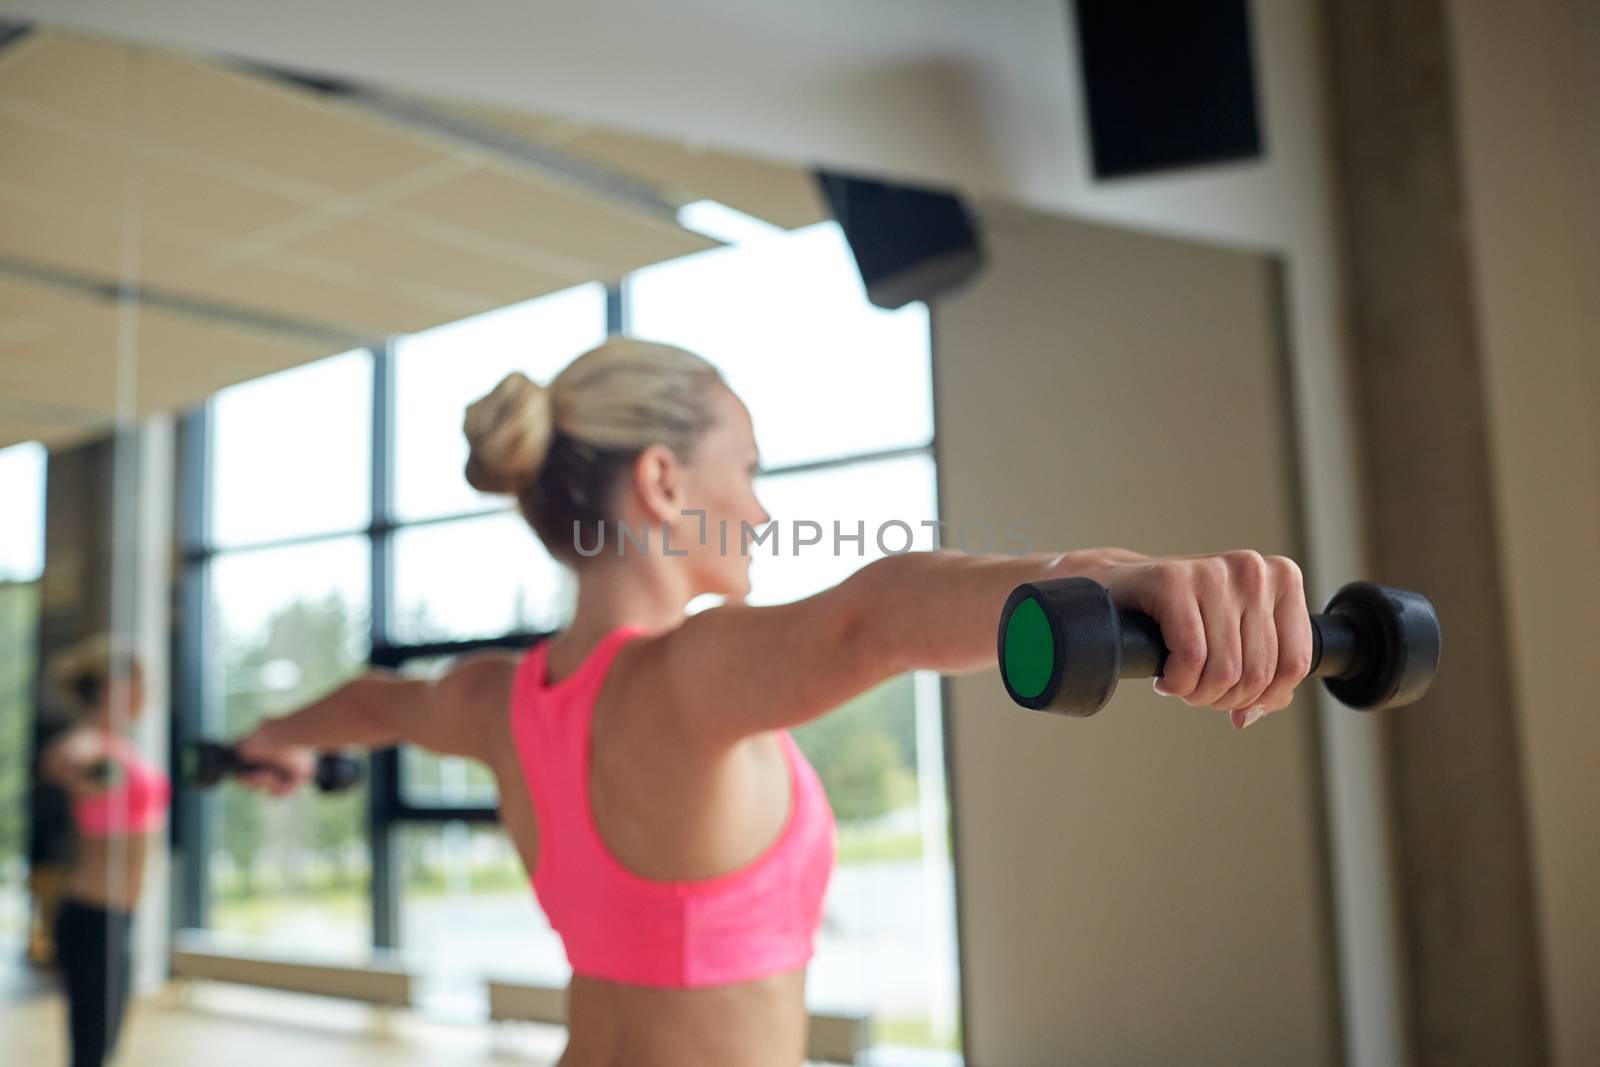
211, 762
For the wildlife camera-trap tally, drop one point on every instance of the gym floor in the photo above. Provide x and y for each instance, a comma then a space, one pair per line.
266, 1029
260, 1028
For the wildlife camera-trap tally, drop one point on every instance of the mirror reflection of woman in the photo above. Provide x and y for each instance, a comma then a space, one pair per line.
676, 837
119, 806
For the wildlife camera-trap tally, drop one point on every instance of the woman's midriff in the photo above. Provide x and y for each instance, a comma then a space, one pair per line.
751, 1024
759, 1024
108, 872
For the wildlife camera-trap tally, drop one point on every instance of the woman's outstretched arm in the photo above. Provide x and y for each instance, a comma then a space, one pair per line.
1235, 623
380, 709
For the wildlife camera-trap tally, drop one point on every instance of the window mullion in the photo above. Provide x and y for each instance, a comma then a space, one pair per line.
385, 882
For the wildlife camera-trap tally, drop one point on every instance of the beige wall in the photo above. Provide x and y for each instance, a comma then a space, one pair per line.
1528, 93
1146, 886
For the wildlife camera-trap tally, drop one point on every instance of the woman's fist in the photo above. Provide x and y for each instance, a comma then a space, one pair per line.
283, 768
1236, 626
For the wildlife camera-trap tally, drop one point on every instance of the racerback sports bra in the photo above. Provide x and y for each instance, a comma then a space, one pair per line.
135, 802
757, 921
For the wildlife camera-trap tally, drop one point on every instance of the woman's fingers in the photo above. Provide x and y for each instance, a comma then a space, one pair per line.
1224, 653
282, 768
275, 773
1170, 599
1293, 622
1258, 638
1236, 627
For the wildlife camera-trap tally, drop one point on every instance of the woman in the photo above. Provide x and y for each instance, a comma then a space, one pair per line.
119, 801
677, 839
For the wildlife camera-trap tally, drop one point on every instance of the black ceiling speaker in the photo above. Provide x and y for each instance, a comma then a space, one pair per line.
1168, 83
909, 243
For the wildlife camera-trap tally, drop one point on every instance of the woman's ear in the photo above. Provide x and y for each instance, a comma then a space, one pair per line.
658, 477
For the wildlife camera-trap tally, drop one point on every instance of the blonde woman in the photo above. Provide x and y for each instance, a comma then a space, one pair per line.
675, 836
119, 803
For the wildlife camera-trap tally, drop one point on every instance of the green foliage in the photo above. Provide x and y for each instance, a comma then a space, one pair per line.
858, 845
431, 870
309, 838
912, 1031
865, 751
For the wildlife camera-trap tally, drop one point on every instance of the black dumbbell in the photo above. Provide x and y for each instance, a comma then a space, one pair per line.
1063, 645
211, 762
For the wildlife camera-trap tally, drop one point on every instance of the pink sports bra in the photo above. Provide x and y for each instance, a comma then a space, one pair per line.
137, 804
618, 926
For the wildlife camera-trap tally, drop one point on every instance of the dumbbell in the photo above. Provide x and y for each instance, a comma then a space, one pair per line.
211, 762
1063, 645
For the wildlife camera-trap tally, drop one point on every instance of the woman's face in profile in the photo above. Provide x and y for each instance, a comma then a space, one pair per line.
722, 481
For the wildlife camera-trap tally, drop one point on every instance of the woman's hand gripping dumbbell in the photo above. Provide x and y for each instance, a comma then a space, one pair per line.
1063, 644
332, 773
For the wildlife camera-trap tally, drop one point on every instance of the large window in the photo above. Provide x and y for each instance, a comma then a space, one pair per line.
287, 624
282, 557
824, 373
346, 544
291, 454
21, 563
440, 372
475, 577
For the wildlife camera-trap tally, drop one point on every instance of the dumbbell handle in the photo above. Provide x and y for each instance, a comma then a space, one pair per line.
1336, 650
247, 766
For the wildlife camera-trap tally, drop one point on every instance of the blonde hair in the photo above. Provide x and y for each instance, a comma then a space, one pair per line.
559, 448
78, 675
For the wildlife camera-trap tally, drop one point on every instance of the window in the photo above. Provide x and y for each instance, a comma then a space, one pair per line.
22, 533
789, 326
444, 782
290, 453
440, 372
285, 575
467, 913
887, 502
22, 470
286, 625
475, 578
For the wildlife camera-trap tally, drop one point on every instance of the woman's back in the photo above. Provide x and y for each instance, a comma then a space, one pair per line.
686, 883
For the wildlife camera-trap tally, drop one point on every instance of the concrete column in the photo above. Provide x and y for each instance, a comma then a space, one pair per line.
1461, 834
108, 566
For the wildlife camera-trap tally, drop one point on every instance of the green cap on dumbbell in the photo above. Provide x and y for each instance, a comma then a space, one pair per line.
1028, 649
1044, 625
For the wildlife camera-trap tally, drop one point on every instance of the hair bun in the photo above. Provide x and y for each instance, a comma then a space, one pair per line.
509, 433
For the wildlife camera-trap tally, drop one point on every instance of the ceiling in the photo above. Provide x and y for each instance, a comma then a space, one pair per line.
263, 224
